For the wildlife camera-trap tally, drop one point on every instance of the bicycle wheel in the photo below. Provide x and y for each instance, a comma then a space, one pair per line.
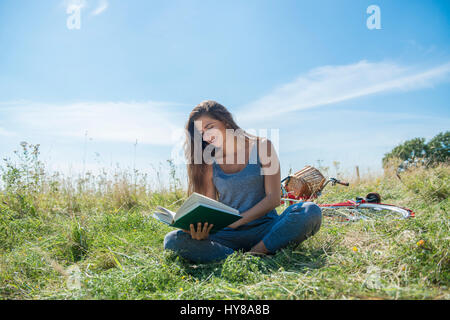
365, 211
340, 213
383, 211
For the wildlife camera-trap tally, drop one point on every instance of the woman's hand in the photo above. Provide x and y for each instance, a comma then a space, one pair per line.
200, 233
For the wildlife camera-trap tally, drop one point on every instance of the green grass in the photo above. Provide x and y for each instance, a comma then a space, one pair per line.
103, 228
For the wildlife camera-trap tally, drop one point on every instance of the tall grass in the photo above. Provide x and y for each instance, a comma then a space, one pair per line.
92, 237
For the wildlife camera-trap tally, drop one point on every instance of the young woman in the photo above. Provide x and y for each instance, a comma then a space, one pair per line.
241, 171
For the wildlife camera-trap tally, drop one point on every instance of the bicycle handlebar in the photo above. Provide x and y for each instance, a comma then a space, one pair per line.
343, 183
333, 182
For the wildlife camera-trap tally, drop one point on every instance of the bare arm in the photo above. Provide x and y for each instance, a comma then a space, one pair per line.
271, 171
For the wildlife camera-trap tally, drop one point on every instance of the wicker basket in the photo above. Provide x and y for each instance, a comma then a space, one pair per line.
305, 183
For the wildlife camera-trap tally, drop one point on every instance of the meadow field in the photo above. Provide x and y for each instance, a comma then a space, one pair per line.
93, 238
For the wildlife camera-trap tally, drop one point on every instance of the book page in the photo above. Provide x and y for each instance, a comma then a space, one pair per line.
167, 212
216, 204
162, 217
195, 199
183, 208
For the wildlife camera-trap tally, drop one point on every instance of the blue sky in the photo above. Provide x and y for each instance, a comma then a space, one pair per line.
334, 89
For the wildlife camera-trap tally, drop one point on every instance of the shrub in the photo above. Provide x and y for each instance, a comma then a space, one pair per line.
416, 152
431, 185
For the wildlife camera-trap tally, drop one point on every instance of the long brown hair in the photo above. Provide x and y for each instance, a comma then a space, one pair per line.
196, 171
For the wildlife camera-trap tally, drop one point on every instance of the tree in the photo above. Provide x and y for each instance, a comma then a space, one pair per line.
410, 151
415, 151
438, 149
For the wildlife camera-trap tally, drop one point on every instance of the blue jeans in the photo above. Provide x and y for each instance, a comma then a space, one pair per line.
294, 225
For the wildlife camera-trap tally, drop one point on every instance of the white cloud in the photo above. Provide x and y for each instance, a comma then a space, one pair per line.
101, 7
76, 5
333, 84
333, 134
148, 122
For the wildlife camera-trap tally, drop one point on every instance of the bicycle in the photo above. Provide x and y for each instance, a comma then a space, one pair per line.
368, 208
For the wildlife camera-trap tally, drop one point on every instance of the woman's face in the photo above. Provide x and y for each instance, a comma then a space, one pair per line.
213, 131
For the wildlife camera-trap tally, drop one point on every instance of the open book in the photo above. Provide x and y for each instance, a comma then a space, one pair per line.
198, 208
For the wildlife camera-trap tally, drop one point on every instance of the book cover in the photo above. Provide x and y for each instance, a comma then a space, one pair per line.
204, 213
198, 208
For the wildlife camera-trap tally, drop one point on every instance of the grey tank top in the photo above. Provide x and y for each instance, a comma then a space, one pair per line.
244, 189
